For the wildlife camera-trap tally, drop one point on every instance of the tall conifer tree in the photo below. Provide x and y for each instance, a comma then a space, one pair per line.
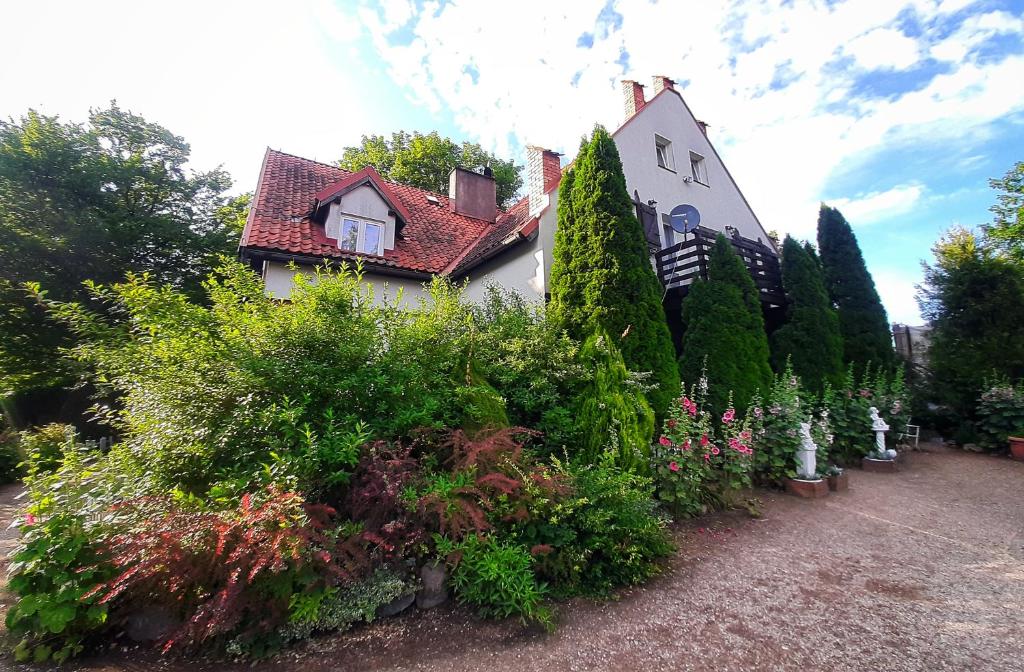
725, 331
810, 338
862, 319
601, 275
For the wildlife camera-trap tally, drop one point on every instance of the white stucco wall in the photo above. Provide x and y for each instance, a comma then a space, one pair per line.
720, 203
521, 269
278, 279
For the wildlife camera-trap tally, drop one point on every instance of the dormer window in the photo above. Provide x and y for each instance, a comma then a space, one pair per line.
359, 235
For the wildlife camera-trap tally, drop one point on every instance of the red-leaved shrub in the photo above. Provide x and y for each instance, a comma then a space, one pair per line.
228, 573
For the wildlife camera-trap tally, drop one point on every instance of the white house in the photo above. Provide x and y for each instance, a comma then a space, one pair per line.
305, 212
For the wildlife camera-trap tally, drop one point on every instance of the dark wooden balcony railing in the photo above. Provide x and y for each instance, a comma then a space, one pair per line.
678, 266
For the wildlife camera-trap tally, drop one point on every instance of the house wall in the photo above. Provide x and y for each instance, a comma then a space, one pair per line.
279, 278
720, 204
521, 269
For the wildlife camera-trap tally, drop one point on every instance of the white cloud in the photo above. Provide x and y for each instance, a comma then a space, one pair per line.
876, 206
897, 290
883, 48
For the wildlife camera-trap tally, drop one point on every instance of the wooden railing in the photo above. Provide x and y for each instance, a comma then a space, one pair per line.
680, 265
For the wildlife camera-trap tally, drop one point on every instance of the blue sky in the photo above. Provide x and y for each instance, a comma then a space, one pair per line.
898, 112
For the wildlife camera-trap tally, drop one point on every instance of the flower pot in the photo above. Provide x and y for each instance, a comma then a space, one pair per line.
879, 466
807, 489
839, 482
1017, 448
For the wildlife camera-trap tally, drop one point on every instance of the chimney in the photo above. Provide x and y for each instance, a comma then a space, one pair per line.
634, 96
661, 82
472, 194
703, 127
543, 173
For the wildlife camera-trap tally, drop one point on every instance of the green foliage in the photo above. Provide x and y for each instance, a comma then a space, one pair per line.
810, 340
425, 161
11, 456
1006, 232
779, 438
612, 414
601, 534
44, 447
92, 202
725, 335
863, 323
57, 564
1001, 414
974, 299
338, 608
497, 578
601, 274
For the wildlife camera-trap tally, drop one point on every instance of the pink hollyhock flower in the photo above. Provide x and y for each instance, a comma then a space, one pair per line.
324, 556
665, 441
745, 435
734, 443
686, 444
729, 415
706, 457
30, 519
692, 410
672, 466
715, 450
671, 423
703, 440
758, 412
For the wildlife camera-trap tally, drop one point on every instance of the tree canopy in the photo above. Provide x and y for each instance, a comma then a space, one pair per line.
862, 319
974, 299
810, 339
601, 275
724, 332
1006, 232
92, 202
425, 160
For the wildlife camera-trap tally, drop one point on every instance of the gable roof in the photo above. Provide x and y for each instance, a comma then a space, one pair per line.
434, 240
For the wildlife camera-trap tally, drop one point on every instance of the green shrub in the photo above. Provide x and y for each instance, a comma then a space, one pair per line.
1001, 414
44, 447
11, 456
779, 439
497, 578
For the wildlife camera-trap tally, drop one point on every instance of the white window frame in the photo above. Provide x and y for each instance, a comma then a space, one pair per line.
699, 168
663, 153
362, 225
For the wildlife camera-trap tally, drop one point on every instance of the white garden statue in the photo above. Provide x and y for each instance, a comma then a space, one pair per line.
807, 455
879, 427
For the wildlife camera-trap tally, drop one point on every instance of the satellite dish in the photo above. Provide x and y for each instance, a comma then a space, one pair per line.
684, 218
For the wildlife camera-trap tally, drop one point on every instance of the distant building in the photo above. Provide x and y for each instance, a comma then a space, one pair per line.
912, 343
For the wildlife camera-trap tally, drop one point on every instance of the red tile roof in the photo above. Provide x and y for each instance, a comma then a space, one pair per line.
434, 240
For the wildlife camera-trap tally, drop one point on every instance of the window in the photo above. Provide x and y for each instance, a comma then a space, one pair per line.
698, 168
360, 236
663, 151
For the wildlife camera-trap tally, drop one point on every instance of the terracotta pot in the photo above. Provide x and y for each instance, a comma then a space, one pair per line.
807, 489
1017, 447
839, 483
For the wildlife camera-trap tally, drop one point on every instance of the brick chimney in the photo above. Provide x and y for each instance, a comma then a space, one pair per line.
472, 194
633, 93
661, 82
543, 173
703, 127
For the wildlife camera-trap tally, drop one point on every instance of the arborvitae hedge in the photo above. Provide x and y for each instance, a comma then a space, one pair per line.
725, 331
810, 337
601, 275
612, 414
862, 319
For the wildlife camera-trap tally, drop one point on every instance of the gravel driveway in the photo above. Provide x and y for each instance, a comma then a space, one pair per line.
920, 570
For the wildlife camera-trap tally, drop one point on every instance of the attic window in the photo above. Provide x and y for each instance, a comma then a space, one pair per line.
361, 236
663, 152
698, 168
433, 200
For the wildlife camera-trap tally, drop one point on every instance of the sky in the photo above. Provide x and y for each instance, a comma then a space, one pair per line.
896, 112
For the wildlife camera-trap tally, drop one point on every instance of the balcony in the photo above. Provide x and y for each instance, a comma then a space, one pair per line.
680, 265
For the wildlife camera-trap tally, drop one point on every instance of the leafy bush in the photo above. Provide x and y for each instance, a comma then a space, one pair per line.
57, 565
11, 456
849, 408
497, 578
44, 447
1001, 414
228, 574
779, 439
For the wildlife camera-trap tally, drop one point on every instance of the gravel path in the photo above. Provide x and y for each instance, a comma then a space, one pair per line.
920, 570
